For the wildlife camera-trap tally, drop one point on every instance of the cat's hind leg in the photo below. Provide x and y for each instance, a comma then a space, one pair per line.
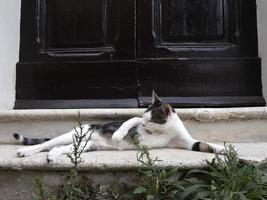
207, 147
195, 145
68, 149
58, 141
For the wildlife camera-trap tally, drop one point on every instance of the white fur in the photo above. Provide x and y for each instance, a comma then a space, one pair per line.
125, 127
172, 134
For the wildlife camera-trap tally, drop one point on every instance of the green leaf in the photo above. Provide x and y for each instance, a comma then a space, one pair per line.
204, 195
243, 197
77, 190
140, 190
149, 197
197, 171
163, 174
172, 172
191, 190
264, 179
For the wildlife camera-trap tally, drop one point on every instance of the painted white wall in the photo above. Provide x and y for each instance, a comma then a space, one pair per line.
262, 37
9, 50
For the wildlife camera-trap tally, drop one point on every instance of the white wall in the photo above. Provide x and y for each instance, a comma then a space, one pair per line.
9, 50
262, 37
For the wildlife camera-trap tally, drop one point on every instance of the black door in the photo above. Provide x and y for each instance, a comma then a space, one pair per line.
199, 52
77, 53
112, 53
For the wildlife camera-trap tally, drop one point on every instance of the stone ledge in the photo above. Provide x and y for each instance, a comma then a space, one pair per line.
124, 160
202, 114
235, 125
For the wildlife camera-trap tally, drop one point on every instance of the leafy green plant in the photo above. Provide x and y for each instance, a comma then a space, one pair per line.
225, 178
40, 188
80, 140
73, 189
156, 183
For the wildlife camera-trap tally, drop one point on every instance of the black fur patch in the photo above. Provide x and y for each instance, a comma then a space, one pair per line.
157, 113
196, 146
203, 147
16, 136
108, 129
30, 141
153, 106
34, 141
132, 133
157, 116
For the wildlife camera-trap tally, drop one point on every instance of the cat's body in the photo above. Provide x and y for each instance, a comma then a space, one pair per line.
160, 127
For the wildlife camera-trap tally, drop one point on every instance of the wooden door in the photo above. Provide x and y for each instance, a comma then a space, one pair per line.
199, 52
112, 53
77, 53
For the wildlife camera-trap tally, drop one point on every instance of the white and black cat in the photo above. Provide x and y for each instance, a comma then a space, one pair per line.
160, 127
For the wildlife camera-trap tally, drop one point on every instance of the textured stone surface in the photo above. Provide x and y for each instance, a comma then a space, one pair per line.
123, 160
21, 185
18, 175
202, 114
213, 125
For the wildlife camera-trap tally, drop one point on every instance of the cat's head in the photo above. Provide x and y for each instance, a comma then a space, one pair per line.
158, 112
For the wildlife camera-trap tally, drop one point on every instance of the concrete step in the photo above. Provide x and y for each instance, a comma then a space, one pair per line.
123, 160
246, 128
213, 125
18, 175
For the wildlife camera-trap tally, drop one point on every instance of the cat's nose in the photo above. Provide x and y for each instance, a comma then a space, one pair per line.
148, 131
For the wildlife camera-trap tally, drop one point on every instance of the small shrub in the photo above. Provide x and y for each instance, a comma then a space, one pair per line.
225, 178
156, 183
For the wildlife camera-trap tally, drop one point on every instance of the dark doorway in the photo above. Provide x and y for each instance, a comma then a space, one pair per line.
112, 53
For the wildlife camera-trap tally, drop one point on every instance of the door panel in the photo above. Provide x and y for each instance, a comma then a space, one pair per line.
202, 82
69, 25
73, 52
77, 30
191, 20
76, 80
196, 28
199, 52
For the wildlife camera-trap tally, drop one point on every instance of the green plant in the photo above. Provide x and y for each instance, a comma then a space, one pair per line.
225, 178
80, 140
156, 183
40, 188
73, 189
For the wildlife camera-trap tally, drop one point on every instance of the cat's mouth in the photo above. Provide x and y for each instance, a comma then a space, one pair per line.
148, 131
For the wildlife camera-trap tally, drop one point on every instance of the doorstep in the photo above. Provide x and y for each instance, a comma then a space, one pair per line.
124, 160
209, 124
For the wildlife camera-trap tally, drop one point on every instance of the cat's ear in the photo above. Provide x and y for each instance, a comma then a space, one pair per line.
166, 110
155, 98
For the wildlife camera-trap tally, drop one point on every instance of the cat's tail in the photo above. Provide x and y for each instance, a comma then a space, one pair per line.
209, 148
29, 141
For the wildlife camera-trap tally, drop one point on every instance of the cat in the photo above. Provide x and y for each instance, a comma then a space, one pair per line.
160, 127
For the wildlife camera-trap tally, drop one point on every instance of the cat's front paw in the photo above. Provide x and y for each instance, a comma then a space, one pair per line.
27, 151
118, 136
53, 155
